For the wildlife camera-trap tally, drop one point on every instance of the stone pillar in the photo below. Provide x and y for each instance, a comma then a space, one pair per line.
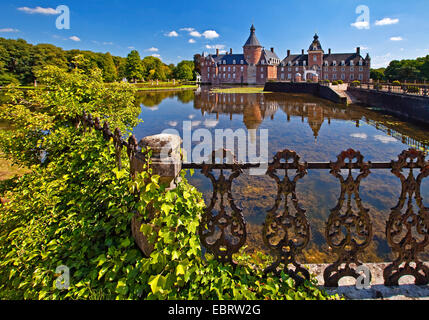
167, 163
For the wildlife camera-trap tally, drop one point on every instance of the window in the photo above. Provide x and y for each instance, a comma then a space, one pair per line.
229, 69
262, 76
296, 69
343, 76
326, 69
360, 76
326, 63
241, 62
304, 63
224, 69
352, 69
229, 76
242, 69
315, 58
352, 77
208, 69
233, 76
360, 62
282, 76
289, 63
233, 61
233, 69
334, 63
334, 69
262, 69
343, 63
334, 76
282, 69
360, 68
326, 76
352, 63
289, 76
343, 69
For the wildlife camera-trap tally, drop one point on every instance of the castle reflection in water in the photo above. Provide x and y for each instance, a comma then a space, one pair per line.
255, 108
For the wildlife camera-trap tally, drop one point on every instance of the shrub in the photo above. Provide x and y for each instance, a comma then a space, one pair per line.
396, 83
334, 83
75, 210
355, 83
413, 89
340, 81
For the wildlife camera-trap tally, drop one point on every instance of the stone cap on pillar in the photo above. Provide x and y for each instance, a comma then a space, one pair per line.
163, 146
166, 158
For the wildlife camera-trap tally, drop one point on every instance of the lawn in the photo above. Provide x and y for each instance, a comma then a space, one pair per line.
240, 90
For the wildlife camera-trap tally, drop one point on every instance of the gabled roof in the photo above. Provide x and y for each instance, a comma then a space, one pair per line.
330, 58
270, 57
228, 58
252, 41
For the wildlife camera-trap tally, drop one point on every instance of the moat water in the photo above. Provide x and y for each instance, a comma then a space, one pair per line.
318, 131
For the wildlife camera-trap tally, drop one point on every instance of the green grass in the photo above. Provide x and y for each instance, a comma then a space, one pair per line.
240, 90
158, 88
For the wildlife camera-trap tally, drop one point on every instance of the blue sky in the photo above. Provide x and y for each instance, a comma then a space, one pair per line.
175, 30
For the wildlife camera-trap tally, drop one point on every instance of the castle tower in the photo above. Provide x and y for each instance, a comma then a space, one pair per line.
252, 48
315, 53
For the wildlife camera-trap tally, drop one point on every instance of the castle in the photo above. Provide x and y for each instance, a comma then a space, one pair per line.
256, 65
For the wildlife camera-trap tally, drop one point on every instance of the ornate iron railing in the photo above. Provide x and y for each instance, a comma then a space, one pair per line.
405, 89
286, 233
348, 232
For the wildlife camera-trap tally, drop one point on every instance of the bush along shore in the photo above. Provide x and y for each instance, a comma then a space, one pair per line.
74, 209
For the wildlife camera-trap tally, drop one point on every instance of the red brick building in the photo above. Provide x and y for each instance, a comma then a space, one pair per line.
254, 66
257, 65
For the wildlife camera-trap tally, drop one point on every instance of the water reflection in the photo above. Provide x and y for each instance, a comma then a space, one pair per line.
318, 131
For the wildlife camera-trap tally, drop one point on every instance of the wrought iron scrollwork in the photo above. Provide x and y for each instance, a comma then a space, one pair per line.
348, 233
285, 233
224, 233
407, 232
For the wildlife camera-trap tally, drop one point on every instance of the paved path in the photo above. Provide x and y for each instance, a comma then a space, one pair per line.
378, 291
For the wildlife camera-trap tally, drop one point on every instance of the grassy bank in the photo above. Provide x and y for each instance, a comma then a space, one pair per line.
161, 88
239, 90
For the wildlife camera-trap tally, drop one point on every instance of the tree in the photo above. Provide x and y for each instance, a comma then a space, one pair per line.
184, 70
155, 68
197, 67
110, 73
134, 69
378, 74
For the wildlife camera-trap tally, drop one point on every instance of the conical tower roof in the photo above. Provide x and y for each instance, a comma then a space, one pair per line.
252, 41
315, 45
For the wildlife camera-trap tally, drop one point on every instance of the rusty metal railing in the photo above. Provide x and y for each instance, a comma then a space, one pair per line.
348, 232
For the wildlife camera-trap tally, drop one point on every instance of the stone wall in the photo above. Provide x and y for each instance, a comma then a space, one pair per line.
415, 108
307, 88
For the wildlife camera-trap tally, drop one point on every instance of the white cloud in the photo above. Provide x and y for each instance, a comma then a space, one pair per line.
39, 10
108, 43
191, 41
195, 34
360, 25
131, 47
359, 135
172, 34
385, 139
156, 55
210, 123
364, 48
386, 22
210, 34
153, 49
9, 30
216, 46
396, 39
187, 29
74, 38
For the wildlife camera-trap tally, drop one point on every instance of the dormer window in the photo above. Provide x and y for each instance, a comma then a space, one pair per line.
352, 63
289, 63
343, 63
304, 63
233, 61
297, 63
360, 62
334, 63
241, 62
326, 63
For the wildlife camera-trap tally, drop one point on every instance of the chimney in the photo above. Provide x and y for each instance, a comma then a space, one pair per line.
272, 49
288, 53
217, 52
230, 51
329, 51
358, 51
302, 51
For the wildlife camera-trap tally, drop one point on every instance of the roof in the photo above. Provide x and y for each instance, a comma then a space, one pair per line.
315, 45
330, 58
252, 41
270, 57
228, 58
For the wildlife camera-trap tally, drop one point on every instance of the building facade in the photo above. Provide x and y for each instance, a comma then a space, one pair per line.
257, 65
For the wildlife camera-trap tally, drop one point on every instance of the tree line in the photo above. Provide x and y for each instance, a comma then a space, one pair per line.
20, 61
404, 70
